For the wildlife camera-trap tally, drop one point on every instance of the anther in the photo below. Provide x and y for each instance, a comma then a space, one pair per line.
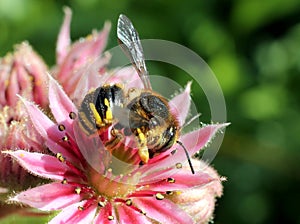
60, 157
65, 138
72, 115
128, 202
174, 151
142, 212
178, 165
110, 218
61, 127
80, 208
159, 196
64, 181
101, 204
77, 190
169, 192
171, 180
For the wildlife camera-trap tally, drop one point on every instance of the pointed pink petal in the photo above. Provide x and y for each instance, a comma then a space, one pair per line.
102, 216
48, 130
193, 141
40, 164
184, 179
181, 103
64, 39
49, 197
128, 215
82, 52
72, 214
61, 105
163, 211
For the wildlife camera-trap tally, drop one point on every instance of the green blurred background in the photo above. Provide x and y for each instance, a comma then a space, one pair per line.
252, 46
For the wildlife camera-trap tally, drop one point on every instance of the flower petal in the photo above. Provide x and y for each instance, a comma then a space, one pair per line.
64, 39
48, 130
49, 197
193, 141
163, 211
180, 180
73, 214
103, 215
42, 165
128, 215
61, 105
181, 103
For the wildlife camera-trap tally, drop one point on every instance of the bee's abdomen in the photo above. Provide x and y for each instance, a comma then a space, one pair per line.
96, 108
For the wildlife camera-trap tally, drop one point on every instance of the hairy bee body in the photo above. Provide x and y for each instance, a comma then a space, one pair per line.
146, 115
139, 112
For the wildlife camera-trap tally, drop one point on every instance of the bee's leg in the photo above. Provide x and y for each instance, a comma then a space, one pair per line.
116, 138
142, 146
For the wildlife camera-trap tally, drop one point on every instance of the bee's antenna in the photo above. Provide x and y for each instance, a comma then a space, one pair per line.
187, 155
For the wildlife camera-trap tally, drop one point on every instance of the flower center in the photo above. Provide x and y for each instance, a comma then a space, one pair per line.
110, 186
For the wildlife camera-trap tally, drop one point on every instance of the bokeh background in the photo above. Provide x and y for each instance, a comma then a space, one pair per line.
253, 47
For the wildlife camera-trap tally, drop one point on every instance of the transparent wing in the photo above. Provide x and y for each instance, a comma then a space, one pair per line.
130, 43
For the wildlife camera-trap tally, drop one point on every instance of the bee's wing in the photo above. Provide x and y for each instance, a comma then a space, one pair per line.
130, 43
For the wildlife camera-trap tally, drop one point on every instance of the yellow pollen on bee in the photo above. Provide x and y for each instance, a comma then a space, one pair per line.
109, 115
143, 150
97, 116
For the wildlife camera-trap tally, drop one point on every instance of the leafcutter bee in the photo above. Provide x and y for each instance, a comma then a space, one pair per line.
148, 115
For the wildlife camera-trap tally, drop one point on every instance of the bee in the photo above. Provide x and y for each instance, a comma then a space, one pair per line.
147, 113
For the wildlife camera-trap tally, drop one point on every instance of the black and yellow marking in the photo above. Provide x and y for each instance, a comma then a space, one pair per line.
96, 110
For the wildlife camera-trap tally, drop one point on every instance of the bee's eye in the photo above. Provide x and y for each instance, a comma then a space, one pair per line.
154, 105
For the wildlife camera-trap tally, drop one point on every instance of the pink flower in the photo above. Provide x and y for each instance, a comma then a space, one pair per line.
22, 72
92, 185
74, 60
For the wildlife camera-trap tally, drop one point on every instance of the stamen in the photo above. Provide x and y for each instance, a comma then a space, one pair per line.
159, 196
101, 204
61, 127
80, 208
72, 115
65, 138
171, 180
77, 190
178, 165
60, 157
110, 218
128, 202
64, 181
